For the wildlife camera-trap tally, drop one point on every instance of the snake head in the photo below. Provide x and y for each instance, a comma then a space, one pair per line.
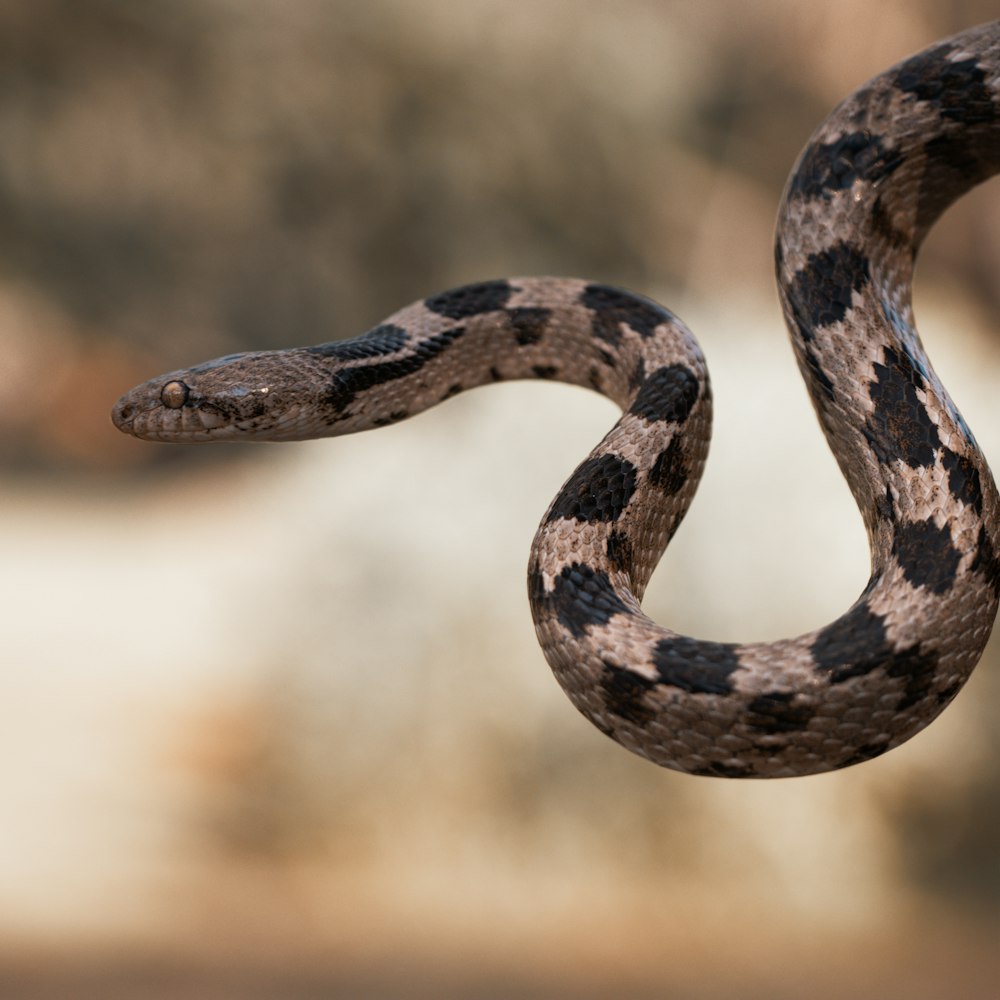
236, 397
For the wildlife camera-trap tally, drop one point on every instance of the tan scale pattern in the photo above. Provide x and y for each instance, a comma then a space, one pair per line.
866, 189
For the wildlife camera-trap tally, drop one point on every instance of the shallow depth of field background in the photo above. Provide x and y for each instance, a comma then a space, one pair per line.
273, 721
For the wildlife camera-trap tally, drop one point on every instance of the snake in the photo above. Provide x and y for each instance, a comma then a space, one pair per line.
863, 194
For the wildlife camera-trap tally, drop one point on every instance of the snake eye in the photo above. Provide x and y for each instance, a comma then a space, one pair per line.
174, 395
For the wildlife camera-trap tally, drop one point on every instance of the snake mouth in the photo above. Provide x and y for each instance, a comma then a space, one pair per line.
144, 413
176, 413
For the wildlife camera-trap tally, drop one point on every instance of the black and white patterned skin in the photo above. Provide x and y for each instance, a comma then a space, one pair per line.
867, 188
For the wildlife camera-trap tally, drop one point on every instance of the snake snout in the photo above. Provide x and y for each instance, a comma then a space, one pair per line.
153, 410
124, 413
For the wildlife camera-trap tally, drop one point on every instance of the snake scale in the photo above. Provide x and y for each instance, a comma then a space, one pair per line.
864, 193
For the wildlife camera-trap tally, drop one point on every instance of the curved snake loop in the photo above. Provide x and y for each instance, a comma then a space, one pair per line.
864, 193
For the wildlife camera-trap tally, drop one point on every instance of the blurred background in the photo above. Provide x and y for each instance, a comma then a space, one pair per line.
274, 722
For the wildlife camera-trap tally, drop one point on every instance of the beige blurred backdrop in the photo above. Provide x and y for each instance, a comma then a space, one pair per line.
273, 720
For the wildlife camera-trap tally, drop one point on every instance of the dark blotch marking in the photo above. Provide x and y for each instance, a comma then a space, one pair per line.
720, 770
966, 150
900, 429
861, 754
957, 88
918, 669
347, 383
471, 300
956, 162
883, 225
620, 552
696, 666
614, 306
963, 479
599, 490
670, 470
947, 693
452, 390
624, 691
986, 561
637, 375
668, 395
496, 375
774, 712
852, 646
926, 555
390, 418
528, 324
884, 509
583, 597
917, 363
855, 645
827, 167
536, 588
822, 291
544, 371
385, 339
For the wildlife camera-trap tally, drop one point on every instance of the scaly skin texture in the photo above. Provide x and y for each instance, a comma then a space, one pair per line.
866, 189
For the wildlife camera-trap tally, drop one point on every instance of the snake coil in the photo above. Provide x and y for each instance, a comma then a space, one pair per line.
866, 189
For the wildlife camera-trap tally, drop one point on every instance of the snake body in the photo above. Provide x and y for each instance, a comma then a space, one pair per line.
865, 191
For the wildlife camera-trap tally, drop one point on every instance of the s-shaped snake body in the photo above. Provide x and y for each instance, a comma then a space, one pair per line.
865, 191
